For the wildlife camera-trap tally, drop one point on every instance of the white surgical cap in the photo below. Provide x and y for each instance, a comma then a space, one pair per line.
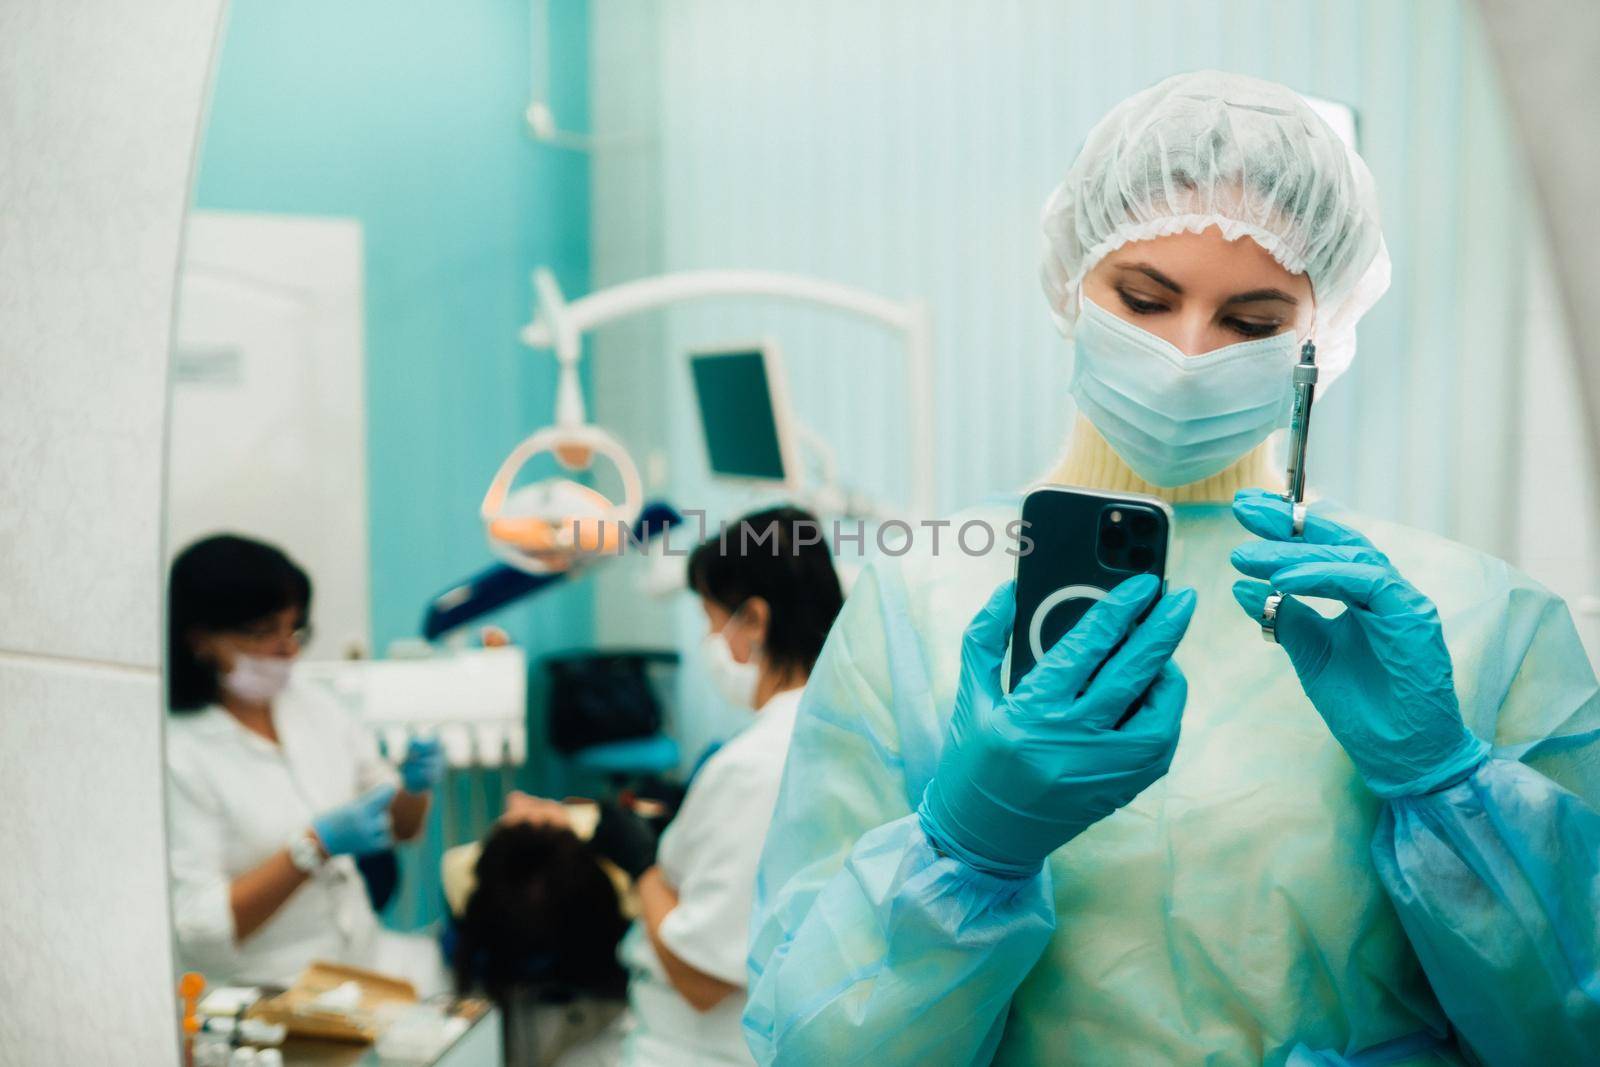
1247, 156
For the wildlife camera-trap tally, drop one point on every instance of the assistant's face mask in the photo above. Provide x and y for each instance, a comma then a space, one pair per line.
1173, 418
258, 679
735, 681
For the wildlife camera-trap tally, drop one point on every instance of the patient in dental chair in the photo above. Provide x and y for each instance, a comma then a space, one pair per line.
544, 899
537, 909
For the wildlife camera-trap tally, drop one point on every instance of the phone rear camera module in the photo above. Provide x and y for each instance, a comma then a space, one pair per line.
1128, 538
1113, 539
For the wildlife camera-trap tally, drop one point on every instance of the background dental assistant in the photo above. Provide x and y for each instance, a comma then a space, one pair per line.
272, 790
768, 610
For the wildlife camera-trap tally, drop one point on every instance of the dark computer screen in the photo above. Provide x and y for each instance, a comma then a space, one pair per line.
736, 414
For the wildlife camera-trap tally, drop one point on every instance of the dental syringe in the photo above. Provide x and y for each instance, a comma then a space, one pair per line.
1305, 388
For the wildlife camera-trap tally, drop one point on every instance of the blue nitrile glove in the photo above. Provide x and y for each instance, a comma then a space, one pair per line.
423, 767
358, 828
1379, 673
1022, 775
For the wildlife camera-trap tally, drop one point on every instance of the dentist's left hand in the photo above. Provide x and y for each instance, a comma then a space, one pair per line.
360, 827
1379, 674
423, 767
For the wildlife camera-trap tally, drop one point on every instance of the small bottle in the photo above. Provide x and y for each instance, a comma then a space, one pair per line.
210, 1050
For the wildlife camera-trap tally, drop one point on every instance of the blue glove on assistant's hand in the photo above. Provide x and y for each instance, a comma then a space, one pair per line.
1379, 673
423, 767
1022, 775
360, 827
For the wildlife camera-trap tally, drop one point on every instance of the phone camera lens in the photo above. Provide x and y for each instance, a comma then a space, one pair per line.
1114, 537
1142, 524
1141, 557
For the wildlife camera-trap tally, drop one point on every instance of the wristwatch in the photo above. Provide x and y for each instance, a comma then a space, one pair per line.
305, 853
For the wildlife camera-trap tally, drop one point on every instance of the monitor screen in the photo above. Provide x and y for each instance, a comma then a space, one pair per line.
738, 414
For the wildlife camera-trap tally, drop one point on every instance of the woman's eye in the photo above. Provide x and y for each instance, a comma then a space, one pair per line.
1140, 307
1252, 329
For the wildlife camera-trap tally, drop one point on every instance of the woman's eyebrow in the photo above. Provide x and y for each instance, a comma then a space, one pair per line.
1154, 275
1261, 294
1251, 297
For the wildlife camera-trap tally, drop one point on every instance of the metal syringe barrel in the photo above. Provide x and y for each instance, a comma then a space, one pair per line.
1305, 386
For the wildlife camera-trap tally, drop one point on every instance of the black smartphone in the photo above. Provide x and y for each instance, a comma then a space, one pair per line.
1079, 545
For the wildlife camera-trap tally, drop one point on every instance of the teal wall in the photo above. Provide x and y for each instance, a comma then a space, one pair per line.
907, 146
408, 117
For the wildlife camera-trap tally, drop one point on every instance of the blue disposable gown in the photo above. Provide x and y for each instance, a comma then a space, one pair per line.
1257, 904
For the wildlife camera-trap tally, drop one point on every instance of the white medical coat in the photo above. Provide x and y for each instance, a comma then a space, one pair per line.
709, 854
234, 799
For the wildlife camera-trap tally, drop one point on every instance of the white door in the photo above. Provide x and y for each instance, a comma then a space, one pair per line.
268, 417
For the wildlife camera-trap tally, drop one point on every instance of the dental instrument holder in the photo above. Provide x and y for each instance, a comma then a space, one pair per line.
1305, 387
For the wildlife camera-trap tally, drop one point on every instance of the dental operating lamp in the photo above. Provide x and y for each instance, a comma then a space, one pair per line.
560, 326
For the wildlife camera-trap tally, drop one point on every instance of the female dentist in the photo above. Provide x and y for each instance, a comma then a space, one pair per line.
271, 790
1375, 843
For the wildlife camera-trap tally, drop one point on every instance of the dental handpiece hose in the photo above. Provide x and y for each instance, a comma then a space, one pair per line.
1305, 388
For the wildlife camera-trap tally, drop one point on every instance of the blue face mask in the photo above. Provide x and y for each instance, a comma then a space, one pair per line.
1173, 418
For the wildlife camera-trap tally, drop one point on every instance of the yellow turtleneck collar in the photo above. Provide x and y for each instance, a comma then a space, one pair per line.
1090, 462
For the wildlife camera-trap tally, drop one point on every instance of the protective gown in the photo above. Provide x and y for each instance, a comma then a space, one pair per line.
1257, 904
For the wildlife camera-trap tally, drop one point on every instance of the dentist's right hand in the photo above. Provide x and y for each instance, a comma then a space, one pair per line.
1021, 775
360, 827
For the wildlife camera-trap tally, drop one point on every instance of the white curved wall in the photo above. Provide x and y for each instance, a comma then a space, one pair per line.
99, 108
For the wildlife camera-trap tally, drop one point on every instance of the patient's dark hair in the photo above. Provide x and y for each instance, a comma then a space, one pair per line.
219, 584
544, 913
781, 556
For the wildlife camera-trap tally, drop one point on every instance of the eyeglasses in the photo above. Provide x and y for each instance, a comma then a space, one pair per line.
260, 635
